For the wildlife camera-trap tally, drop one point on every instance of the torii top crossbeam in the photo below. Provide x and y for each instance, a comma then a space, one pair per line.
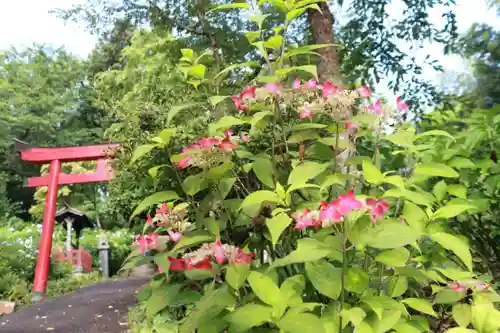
55, 157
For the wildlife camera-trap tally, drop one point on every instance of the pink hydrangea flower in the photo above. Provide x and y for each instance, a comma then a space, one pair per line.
296, 83
377, 108
185, 162
242, 257
401, 106
273, 88
377, 208
329, 212
218, 251
457, 286
149, 220
146, 242
347, 202
248, 93
364, 92
312, 83
174, 236
329, 88
245, 138
305, 111
163, 209
226, 144
305, 219
238, 102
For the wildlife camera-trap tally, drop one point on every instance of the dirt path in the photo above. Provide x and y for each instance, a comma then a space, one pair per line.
101, 308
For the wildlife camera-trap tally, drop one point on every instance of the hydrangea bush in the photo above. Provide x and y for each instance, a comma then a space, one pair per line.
302, 209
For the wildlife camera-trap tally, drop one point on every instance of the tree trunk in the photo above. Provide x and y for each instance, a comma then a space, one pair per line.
321, 24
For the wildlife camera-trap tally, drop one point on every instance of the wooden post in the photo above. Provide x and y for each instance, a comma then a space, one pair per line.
43, 260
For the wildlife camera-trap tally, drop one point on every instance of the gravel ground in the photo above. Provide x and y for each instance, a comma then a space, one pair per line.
100, 308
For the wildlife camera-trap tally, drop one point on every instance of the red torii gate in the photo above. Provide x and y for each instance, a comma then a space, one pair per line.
55, 157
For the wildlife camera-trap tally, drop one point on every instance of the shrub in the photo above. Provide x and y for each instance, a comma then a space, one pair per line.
308, 209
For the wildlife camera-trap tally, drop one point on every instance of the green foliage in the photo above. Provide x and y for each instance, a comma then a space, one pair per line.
384, 257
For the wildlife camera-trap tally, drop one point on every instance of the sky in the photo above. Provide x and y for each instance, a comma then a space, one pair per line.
24, 22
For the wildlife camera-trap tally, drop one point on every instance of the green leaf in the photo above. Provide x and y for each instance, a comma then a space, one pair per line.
265, 289
194, 183
330, 318
274, 42
141, 151
311, 69
259, 19
230, 6
456, 245
200, 274
458, 190
407, 327
161, 298
252, 204
390, 236
395, 180
187, 55
440, 190
485, 318
174, 110
397, 286
305, 171
334, 179
434, 133
448, 296
460, 330
436, 170
232, 67
293, 288
257, 119
197, 71
225, 186
394, 258
153, 199
389, 319
276, 225
354, 315
402, 138
462, 314
371, 173
193, 238
308, 249
236, 275
356, 280
461, 163
227, 122
248, 316
307, 126
421, 305
415, 216
208, 307
449, 211
412, 196
325, 277
167, 134
306, 49
300, 323
264, 171
214, 100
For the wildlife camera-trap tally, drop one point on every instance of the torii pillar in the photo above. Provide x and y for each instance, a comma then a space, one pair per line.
55, 157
